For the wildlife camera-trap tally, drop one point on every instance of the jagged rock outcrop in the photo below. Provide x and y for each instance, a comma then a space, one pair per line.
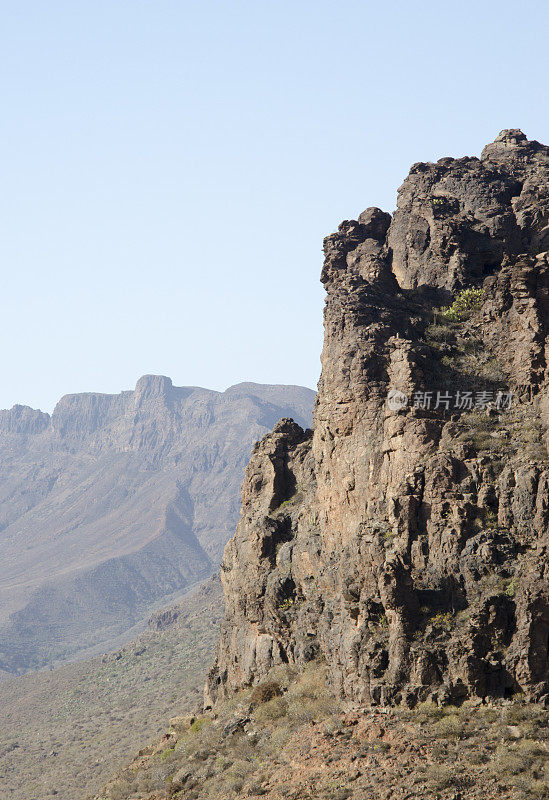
408, 544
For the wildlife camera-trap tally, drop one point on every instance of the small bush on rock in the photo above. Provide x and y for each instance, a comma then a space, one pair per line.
464, 304
265, 692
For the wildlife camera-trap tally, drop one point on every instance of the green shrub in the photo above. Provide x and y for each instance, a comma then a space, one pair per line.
444, 620
467, 301
383, 622
508, 761
449, 726
440, 777
427, 711
530, 748
511, 587
274, 709
199, 723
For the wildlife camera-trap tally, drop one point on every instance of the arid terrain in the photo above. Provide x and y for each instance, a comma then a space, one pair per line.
291, 739
116, 504
63, 732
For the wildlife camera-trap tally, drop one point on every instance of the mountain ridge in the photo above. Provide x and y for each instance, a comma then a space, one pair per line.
113, 502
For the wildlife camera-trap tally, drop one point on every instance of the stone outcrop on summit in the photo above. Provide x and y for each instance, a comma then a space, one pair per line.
408, 545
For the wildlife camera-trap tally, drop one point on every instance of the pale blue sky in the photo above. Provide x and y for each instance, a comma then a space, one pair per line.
168, 169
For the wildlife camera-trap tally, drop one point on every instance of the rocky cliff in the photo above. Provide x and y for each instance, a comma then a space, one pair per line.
405, 538
116, 503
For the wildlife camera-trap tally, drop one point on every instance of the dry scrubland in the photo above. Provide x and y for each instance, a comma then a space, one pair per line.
290, 739
63, 733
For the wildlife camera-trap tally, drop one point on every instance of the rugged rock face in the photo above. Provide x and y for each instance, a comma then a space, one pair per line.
119, 502
408, 543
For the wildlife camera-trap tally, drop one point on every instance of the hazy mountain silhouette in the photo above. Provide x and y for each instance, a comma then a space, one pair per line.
117, 503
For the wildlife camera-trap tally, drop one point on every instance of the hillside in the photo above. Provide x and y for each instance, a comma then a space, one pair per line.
116, 504
303, 744
387, 622
63, 732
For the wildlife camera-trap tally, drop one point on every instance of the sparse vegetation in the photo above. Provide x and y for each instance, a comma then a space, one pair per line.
63, 733
294, 499
511, 586
443, 620
449, 726
300, 745
467, 301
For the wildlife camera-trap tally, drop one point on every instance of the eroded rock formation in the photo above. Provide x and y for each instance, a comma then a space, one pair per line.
408, 545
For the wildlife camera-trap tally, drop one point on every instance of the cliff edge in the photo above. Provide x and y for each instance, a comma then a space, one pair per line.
405, 538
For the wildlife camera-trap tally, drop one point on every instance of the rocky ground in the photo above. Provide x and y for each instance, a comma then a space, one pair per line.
301, 744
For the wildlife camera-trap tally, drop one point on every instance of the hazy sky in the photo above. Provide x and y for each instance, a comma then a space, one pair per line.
169, 169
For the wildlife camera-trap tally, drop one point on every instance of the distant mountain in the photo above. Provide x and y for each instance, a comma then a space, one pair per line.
115, 504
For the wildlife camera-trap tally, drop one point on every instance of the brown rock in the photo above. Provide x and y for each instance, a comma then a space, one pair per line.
408, 546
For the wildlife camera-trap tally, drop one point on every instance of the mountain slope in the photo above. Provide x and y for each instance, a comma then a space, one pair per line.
62, 732
291, 739
117, 503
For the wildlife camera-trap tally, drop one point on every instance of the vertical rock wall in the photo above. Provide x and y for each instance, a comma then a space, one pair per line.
408, 545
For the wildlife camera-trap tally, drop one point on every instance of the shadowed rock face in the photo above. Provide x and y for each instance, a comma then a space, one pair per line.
409, 546
118, 502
